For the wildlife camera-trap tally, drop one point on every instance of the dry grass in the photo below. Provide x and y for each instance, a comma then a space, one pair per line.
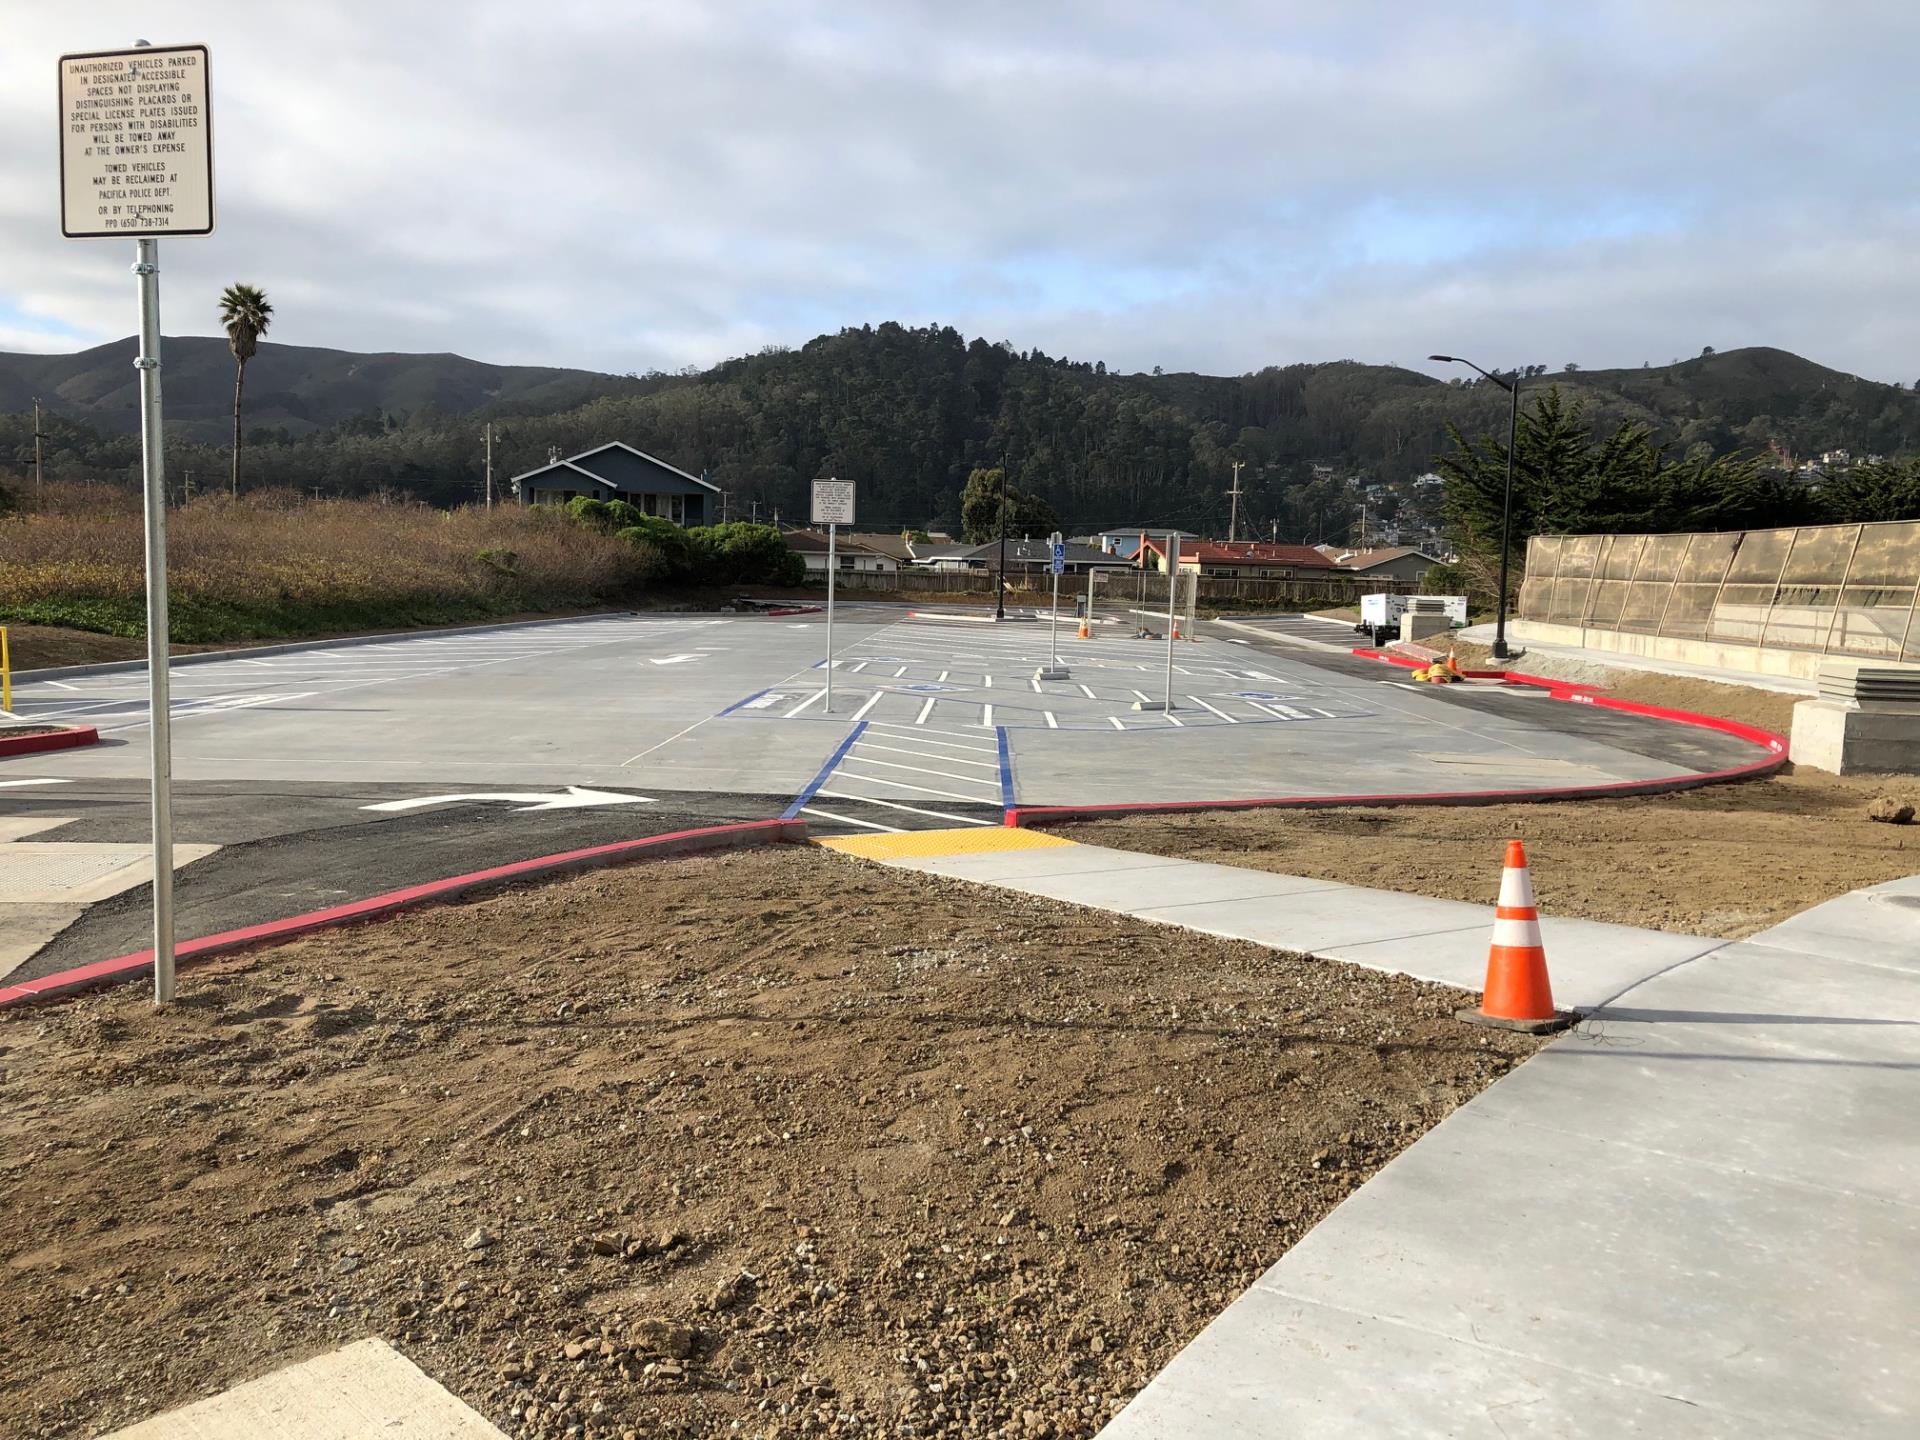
275, 564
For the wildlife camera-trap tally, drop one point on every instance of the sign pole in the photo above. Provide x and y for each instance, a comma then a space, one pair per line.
1173, 600
154, 477
832, 566
1054, 627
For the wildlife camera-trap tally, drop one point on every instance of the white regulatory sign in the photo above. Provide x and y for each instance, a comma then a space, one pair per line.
136, 143
832, 502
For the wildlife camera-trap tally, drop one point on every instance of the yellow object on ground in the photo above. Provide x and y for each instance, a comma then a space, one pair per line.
914, 844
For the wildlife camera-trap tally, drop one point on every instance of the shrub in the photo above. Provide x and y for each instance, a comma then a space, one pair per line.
623, 516
667, 541
745, 554
591, 512
241, 570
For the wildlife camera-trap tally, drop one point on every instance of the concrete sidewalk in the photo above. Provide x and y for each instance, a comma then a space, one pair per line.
1602, 661
1441, 940
1696, 1216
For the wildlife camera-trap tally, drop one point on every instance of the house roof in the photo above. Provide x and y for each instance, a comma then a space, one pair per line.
1029, 551
812, 542
894, 545
577, 463
1379, 555
1244, 552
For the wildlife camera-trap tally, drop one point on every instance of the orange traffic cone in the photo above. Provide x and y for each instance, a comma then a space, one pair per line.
1086, 631
1518, 995
1176, 629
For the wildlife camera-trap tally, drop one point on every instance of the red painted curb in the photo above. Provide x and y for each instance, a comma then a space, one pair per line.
651, 847
65, 739
1774, 745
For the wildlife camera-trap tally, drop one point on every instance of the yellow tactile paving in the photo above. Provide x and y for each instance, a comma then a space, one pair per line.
913, 844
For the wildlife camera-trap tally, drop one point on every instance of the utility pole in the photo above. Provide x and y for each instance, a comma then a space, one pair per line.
39, 473
723, 505
1233, 523
489, 465
754, 506
1276, 532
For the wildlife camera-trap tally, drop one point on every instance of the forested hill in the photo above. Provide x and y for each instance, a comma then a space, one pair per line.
908, 412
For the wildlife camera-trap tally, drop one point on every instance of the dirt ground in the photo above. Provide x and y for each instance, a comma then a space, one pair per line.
1724, 860
774, 1143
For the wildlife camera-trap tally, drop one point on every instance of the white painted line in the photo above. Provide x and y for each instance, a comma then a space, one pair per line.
1323, 714
994, 784
1221, 713
1290, 712
902, 785
59, 685
865, 744
810, 700
942, 675
986, 717
861, 666
847, 819
1052, 724
986, 681
869, 705
34, 782
926, 710
1176, 723
919, 736
1114, 720
901, 671
1088, 692
896, 805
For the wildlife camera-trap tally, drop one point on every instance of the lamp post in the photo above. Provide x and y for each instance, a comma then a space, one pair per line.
1000, 587
1512, 387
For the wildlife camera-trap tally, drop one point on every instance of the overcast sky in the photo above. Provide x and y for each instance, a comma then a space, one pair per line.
1217, 186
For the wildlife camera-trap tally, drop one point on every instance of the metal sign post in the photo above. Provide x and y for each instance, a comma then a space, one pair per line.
1054, 669
1173, 598
832, 507
136, 159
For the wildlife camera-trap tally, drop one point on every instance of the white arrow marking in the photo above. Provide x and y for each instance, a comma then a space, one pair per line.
677, 659
573, 798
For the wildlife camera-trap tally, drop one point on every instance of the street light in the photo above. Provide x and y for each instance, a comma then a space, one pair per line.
1000, 588
1512, 387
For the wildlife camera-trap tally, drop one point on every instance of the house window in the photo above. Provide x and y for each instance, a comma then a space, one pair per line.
846, 561
677, 509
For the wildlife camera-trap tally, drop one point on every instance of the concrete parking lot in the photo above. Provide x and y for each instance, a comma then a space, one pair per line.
331, 771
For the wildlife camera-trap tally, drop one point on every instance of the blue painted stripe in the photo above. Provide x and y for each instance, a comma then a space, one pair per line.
825, 770
1006, 770
748, 701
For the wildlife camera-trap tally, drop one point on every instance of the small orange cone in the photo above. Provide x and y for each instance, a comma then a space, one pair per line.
1086, 632
1176, 629
1519, 995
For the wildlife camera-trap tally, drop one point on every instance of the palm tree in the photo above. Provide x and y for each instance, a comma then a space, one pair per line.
245, 315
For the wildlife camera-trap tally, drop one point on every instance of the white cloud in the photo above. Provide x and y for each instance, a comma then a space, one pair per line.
1209, 186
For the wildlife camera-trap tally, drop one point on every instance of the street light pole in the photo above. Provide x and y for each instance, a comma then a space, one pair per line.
1000, 587
1512, 387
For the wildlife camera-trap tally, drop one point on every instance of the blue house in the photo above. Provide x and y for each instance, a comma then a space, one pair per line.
617, 471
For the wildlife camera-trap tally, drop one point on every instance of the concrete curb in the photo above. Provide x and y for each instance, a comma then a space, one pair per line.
207, 657
66, 738
620, 852
1774, 745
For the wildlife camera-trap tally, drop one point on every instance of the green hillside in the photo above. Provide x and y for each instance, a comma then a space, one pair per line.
908, 413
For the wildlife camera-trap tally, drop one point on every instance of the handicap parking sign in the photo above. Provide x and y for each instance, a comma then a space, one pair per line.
1254, 695
1059, 558
925, 687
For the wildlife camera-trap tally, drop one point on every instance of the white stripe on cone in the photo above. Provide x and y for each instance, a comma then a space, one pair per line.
1516, 887
1517, 934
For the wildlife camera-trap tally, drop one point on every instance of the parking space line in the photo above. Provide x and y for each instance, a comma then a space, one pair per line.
920, 734
1088, 692
865, 759
903, 785
986, 716
896, 805
1205, 706
811, 699
926, 710
1052, 724
870, 744
848, 819
1114, 720
869, 705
